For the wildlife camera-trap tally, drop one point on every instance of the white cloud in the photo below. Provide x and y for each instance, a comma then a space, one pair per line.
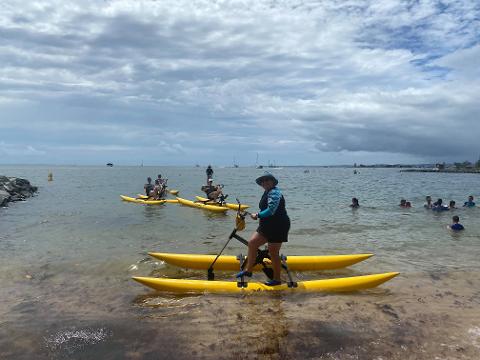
13, 150
284, 77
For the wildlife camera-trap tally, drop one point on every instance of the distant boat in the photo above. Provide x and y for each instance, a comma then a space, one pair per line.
256, 164
235, 165
109, 164
197, 165
272, 165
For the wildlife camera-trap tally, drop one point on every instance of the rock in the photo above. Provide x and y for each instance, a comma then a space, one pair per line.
25, 193
16, 198
9, 188
15, 189
4, 197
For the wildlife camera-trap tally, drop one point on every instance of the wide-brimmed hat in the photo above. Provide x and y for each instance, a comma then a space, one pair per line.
267, 176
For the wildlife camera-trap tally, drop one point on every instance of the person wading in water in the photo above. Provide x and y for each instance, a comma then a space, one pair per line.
209, 172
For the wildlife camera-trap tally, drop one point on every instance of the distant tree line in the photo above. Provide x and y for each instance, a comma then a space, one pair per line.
467, 165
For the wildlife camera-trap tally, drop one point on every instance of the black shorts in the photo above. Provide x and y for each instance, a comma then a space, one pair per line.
275, 232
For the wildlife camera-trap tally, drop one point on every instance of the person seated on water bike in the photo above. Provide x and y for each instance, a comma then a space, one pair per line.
214, 192
158, 191
162, 181
148, 186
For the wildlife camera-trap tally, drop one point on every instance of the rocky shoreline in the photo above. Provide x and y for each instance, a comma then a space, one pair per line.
15, 189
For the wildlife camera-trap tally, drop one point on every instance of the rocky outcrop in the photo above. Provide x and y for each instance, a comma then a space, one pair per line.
15, 189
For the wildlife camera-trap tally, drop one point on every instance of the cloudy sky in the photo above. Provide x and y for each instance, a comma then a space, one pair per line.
206, 81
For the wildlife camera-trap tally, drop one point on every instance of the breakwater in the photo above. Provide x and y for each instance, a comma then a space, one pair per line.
15, 189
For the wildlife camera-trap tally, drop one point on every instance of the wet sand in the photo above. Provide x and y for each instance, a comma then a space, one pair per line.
415, 316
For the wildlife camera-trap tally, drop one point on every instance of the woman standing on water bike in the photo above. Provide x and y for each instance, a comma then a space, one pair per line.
273, 228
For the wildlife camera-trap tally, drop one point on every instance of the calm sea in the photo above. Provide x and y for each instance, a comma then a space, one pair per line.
67, 254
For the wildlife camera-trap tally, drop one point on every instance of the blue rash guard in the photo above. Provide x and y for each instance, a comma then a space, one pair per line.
457, 227
469, 204
273, 201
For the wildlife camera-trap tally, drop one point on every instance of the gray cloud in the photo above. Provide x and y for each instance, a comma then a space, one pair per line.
292, 80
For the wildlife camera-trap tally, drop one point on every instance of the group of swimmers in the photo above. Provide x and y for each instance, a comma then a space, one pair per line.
434, 206
158, 190
438, 205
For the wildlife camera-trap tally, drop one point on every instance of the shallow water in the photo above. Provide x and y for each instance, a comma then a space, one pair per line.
67, 255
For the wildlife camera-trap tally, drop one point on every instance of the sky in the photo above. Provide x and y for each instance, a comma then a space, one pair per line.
189, 82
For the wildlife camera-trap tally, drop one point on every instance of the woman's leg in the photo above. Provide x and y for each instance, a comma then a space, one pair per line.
274, 250
254, 243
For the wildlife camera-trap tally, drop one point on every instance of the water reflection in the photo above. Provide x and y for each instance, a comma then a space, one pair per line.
154, 211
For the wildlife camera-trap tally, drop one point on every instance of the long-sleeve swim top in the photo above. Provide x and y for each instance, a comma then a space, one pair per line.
273, 201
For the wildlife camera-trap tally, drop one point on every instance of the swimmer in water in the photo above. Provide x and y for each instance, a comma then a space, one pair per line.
456, 226
354, 204
438, 206
469, 203
428, 203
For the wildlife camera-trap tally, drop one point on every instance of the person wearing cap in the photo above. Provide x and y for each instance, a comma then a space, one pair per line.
213, 192
273, 228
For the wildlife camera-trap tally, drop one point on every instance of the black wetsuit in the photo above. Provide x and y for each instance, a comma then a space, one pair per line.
209, 172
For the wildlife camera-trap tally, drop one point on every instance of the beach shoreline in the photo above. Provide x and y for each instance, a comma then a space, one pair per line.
415, 316
68, 255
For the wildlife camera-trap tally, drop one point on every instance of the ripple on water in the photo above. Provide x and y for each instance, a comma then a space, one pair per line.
168, 306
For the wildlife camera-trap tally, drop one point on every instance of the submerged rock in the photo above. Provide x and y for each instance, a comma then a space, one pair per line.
15, 189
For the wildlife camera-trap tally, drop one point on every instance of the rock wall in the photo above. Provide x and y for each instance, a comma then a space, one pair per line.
15, 189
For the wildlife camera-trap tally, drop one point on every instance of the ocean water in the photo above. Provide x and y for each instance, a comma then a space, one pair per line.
67, 255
